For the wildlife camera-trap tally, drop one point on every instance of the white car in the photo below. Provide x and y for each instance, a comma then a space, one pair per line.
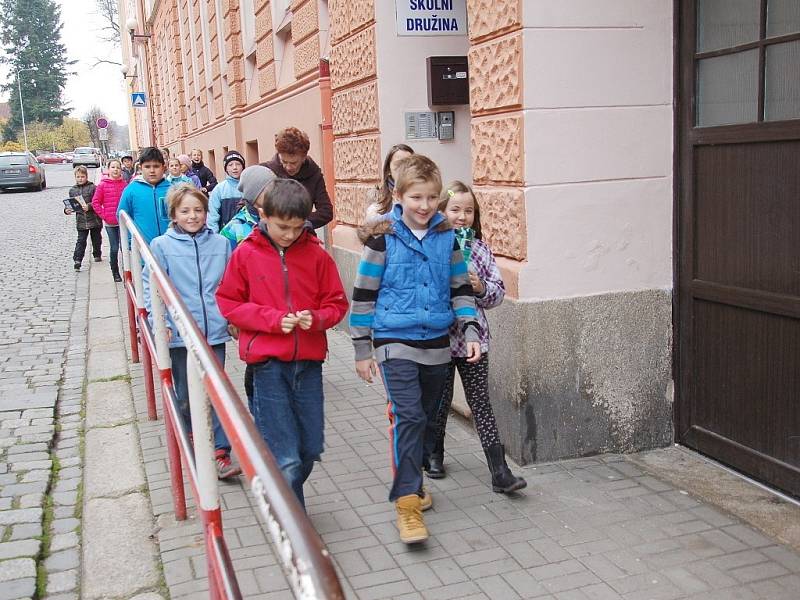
88, 157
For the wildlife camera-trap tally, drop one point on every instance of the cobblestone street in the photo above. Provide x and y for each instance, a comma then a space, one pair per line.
42, 357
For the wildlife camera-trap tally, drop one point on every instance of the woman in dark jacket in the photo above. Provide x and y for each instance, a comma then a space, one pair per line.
206, 175
292, 162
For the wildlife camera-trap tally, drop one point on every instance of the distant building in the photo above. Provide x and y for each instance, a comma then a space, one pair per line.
5, 111
637, 176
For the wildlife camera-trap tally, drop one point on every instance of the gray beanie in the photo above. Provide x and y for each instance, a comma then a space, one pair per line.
253, 180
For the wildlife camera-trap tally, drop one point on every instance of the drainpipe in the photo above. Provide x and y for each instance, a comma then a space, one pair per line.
325, 96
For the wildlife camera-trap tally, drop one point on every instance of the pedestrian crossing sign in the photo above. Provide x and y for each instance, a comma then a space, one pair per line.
138, 99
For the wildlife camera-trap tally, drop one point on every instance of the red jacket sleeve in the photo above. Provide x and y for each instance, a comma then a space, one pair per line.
333, 301
233, 298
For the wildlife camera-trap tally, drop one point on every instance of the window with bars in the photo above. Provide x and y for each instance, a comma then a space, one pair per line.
747, 61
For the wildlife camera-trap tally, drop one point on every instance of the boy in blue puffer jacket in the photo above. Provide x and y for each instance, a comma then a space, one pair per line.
195, 258
225, 198
411, 286
144, 197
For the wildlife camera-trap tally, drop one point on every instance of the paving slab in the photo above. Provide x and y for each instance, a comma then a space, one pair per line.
113, 463
105, 363
108, 403
117, 562
105, 331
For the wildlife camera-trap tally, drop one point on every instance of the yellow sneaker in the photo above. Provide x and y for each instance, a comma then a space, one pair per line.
425, 499
409, 519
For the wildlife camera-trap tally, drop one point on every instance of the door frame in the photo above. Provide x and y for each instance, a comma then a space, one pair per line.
685, 137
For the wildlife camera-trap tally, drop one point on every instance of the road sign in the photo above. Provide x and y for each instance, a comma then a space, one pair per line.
102, 134
138, 99
102, 123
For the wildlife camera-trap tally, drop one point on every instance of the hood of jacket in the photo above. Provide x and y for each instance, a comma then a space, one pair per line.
195, 265
394, 221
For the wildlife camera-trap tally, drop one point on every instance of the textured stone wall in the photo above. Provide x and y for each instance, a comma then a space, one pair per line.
356, 151
497, 131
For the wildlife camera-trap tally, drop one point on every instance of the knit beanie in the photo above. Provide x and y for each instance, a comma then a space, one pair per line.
232, 155
253, 180
185, 160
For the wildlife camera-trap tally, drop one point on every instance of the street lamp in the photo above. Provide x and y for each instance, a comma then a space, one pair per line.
132, 24
125, 69
21, 107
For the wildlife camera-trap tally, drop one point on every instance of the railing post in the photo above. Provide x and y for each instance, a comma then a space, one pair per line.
205, 464
147, 360
124, 241
164, 364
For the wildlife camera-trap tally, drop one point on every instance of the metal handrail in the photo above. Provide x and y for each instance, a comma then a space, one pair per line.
303, 556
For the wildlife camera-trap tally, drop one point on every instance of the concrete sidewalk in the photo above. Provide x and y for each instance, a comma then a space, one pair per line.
594, 528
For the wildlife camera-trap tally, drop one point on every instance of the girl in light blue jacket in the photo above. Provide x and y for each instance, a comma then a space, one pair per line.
194, 258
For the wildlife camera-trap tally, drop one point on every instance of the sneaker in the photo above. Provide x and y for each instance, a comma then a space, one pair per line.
425, 499
98, 259
225, 468
117, 277
409, 520
77, 266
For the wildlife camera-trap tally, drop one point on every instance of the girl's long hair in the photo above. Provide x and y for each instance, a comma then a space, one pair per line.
385, 192
459, 187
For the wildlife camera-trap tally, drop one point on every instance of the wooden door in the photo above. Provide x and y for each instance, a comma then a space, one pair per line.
738, 243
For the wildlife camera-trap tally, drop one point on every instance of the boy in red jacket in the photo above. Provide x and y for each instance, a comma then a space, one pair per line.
282, 291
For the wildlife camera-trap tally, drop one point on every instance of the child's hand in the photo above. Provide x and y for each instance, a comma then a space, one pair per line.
367, 369
69, 211
477, 284
473, 352
234, 331
305, 319
289, 322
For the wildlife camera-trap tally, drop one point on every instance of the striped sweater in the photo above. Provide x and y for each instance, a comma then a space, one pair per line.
408, 292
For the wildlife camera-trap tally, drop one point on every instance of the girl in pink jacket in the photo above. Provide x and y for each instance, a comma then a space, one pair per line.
105, 201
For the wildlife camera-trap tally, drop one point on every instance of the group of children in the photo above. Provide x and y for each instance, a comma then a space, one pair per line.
417, 311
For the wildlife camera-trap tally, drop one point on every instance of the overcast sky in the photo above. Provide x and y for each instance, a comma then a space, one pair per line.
102, 85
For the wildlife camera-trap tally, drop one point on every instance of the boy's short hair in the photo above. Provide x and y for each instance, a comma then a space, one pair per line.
285, 198
292, 141
178, 192
151, 154
417, 169
80, 169
127, 157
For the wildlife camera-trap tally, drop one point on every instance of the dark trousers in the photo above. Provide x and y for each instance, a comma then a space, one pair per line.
112, 231
181, 384
475, 377
414, 392
287, 407
80, 245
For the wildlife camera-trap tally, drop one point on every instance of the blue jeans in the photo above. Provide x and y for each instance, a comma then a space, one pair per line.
287, 406
414, 391
178, 357
112, 231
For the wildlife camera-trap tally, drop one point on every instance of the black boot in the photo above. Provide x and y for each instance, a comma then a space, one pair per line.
435, 467
503, 480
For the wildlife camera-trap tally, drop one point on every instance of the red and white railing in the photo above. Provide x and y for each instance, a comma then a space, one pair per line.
304, 558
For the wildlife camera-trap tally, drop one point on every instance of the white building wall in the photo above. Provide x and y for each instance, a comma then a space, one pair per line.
598, 146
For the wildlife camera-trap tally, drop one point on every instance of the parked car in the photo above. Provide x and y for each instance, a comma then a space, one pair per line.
52, 158
21, 170
89, 157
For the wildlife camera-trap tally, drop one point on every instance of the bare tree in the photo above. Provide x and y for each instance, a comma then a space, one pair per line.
109, 12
